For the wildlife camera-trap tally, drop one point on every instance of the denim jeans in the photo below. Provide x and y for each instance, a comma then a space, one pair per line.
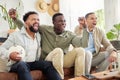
23, 70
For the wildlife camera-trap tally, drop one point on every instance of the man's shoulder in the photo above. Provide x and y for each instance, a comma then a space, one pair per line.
46, 26
69, 33
16, 33
99, 29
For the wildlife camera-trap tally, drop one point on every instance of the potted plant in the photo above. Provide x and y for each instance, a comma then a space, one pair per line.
114, 36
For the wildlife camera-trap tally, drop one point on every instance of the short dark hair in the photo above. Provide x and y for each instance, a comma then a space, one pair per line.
86, 16
55, 15
25, 17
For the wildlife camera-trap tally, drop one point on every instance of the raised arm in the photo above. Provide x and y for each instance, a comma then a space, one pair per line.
13, 14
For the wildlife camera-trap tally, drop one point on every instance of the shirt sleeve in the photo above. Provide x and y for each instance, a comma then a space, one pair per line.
76, 41
18, 23
5, 47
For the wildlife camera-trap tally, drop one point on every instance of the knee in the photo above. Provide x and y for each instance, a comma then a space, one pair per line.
80, 51
22, 66
21, 63
59, 51
88, 54
48, 64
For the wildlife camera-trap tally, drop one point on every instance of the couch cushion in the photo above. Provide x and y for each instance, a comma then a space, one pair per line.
8, 76
36, 74
69, 71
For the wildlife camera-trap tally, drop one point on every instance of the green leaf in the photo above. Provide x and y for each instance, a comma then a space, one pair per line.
111, 35
117, 26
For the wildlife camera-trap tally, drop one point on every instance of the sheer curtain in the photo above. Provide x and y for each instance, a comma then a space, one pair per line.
72, 9
112, 13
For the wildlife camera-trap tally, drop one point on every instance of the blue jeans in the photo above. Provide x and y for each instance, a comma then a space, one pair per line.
23, 70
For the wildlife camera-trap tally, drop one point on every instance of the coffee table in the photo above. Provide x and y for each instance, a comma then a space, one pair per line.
107, 75
104, 75
78, 78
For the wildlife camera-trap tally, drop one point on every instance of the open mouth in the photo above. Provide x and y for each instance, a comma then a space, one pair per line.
36, 26
94, 24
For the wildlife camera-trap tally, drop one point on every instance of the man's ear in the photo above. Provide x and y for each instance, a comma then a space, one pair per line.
53, 22
26, 22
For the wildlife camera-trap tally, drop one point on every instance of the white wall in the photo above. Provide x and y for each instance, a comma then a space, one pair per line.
4, 27
29, 5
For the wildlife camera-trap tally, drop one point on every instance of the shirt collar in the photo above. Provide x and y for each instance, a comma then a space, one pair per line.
89, 31
23, 31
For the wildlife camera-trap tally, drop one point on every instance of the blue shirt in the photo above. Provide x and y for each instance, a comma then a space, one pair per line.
91, 46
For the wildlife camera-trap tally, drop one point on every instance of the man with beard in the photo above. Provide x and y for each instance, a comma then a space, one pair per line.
94, 40
55, 43
28, 38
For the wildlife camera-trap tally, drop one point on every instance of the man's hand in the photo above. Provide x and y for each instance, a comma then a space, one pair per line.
82, 22
113, 56
12, 13
15, 56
